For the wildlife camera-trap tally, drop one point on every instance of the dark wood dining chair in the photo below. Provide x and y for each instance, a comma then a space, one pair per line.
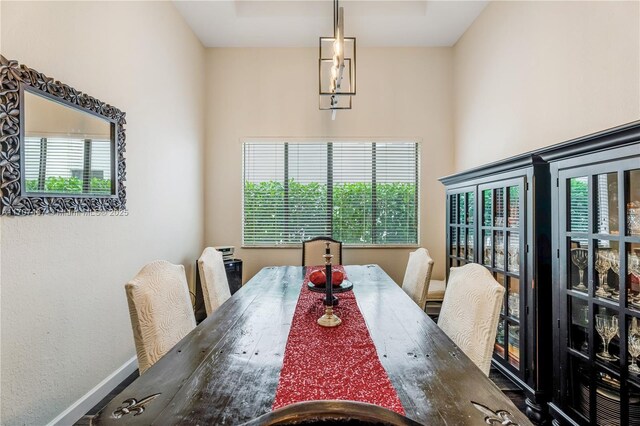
314, 249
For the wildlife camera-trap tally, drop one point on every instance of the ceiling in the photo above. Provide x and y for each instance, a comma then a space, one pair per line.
294, 23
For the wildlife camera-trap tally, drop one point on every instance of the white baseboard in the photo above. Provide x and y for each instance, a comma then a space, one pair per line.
95, 395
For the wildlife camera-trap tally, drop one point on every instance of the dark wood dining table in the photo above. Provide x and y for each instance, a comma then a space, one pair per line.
226, 371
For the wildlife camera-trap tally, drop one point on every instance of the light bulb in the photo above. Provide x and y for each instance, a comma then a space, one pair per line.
337, 48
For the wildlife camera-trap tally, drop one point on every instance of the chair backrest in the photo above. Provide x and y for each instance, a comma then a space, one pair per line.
471, 310
215, 287
160, 310
417, 276
314, 249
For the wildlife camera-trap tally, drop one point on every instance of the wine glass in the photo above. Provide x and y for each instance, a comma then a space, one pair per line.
634, 264
614, 260
514, 259
607, 328
514, 305
583, 319
500, 256
602, 265
487, 250
580, 258
634, 351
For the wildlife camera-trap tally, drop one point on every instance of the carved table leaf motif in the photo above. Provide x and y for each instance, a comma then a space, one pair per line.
134, 406
500, 417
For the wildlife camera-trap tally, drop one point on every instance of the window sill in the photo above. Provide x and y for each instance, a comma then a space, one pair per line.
344, 246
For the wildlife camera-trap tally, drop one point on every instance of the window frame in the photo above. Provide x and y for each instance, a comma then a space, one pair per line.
302, 140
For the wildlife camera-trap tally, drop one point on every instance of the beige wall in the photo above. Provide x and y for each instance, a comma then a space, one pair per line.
65, 324
402, 92
531, 74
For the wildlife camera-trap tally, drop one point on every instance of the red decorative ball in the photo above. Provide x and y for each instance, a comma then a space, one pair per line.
318, 278
336, 278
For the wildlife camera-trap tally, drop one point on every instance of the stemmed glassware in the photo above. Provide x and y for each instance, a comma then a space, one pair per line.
607, 328
633, 266
602, 265
614, 260
487, 250
634, 346
514, 259
580, 258
499, 256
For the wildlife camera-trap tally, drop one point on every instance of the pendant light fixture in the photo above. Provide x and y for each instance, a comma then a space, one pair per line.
337, 66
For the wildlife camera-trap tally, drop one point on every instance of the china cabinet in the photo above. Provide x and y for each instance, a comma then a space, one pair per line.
498, 216
559, 228
596, 270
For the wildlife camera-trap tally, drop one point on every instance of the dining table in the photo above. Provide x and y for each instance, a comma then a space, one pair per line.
227, 370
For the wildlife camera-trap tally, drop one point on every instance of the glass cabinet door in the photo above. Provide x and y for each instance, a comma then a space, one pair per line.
599, 268
461, 227
502, 252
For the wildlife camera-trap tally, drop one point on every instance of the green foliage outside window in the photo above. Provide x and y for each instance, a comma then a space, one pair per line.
579, 204
352, 213
71, 185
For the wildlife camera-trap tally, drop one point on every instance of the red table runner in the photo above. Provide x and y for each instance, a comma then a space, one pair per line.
354, 372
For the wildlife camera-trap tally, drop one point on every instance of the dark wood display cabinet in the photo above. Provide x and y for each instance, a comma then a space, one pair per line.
596, 270
559, 228
498, 216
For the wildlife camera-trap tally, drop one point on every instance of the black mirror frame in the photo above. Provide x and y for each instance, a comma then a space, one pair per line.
14, 78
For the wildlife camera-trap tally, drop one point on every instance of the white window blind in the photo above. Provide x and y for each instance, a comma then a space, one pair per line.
65, 165
361, 193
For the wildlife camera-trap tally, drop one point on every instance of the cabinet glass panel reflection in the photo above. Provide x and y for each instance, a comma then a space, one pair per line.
606, 207
580, 323
487, 207
632, 178
578, 204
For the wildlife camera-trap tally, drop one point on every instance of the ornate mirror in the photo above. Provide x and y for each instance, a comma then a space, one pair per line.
62, 151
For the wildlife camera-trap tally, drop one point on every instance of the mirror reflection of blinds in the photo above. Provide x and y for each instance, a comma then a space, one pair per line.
361, 193
579, 208
73, 166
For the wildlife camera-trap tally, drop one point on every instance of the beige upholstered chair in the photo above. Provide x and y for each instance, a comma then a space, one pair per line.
215, 287
314, 249
417, 276
471, 310
160, 310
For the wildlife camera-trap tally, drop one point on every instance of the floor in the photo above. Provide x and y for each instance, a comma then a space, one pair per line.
513, 392
86, 419
505, 385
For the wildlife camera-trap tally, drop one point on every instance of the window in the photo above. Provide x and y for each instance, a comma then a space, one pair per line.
361, 193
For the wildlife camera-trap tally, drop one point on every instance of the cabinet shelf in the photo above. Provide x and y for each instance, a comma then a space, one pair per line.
578, 354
